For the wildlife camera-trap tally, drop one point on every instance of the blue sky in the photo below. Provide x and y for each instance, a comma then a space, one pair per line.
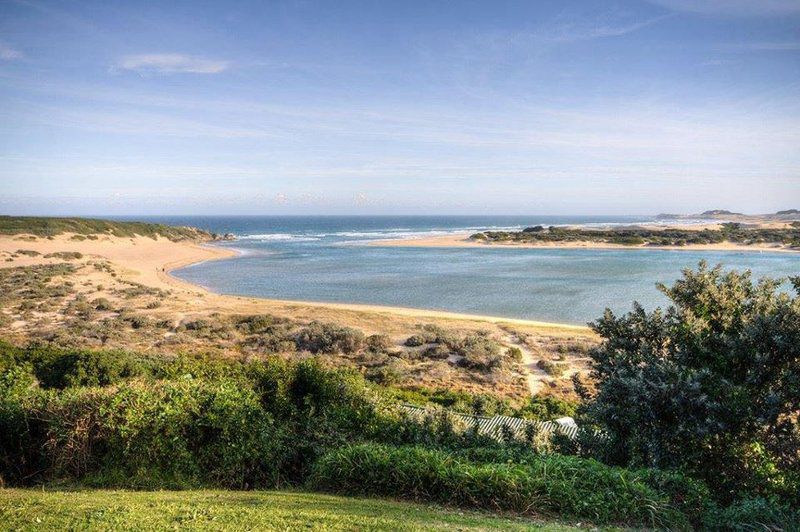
399, 107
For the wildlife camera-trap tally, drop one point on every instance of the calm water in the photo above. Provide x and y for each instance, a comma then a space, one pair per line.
324, 259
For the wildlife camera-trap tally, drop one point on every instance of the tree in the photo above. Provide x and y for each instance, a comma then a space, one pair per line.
710, 386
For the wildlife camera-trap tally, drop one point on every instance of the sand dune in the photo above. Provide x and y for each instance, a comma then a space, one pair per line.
461, 240
149, 262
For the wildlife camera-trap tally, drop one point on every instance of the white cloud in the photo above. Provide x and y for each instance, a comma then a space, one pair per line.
762, 46
9, 54
597, 30
733, 7
172, 64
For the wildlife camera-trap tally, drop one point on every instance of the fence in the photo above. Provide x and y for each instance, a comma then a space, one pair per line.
496, 426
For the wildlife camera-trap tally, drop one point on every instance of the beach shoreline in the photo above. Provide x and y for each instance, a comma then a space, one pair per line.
461, 240
153, 262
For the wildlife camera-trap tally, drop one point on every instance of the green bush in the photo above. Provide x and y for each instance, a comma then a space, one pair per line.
754, 514
57, 368
553, 369
166, 434
515, 354
415, 340
711, 385
556, 485
547, 408
102, 303
49, 226
379, 342
329, 338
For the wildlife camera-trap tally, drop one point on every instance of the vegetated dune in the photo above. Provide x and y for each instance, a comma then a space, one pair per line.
116, 292
778, 236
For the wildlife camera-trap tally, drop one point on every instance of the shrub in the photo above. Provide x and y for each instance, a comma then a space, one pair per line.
384, 375
101, 303
64, 255
261, 324
711, 385
754, 514
168, 434
564, 486
329, 338
551, 368
415, 340
90, 228
454, 400
547, 408
379, 342
57, 368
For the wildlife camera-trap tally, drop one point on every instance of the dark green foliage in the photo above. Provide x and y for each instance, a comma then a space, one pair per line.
173, 422
157, 422
730, 232
754, 514
547, 408
62, 368
40, 226
169, 434
329, 338
711, 385
538, 408
456, 401
556, 485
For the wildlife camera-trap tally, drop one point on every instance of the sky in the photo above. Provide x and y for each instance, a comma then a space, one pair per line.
412, 107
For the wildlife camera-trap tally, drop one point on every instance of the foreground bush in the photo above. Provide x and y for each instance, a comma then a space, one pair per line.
183, 422
754, 514
710, 386
165, 434
556, 485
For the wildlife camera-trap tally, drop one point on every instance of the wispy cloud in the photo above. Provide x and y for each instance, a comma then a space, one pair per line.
733, 7
171, 64
597, 30
9, 54
762, 46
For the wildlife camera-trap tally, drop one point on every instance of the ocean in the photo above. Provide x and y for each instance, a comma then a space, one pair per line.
322, 258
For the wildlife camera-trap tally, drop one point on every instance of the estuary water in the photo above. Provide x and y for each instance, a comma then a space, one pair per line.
323, 258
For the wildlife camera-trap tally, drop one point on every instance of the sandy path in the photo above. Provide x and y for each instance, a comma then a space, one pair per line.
533, 374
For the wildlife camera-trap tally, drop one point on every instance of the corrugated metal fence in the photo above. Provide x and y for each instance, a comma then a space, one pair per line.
495, 426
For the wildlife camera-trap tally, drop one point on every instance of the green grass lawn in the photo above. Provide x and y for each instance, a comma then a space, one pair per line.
31, 509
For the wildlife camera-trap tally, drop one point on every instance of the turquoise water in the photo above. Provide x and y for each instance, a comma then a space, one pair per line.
324, 259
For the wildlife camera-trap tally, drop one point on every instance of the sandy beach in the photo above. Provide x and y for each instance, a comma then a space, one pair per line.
461, 240
148, 261
109, 268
